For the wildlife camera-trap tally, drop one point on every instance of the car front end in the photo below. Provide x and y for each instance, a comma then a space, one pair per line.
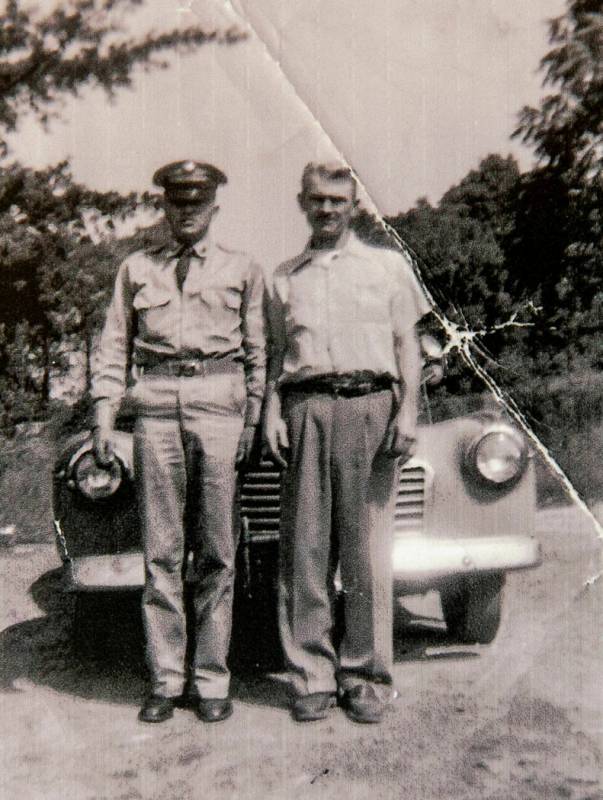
465, 504
464, 516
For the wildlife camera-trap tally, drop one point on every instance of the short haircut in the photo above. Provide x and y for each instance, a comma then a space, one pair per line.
332, 171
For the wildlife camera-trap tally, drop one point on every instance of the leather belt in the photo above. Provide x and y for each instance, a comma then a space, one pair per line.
189, 367
347, 385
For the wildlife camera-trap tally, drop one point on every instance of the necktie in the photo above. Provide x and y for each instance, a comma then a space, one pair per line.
182, 265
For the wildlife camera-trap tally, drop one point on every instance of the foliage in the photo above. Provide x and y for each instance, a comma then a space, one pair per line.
556, 246
43, 216
46, 291
21, 380
26, 502
566, 131
460, 248
567, 415
76, 290
80, 43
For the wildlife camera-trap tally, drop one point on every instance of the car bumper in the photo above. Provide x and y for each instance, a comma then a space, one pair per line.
416, 561
121, 572
420, 560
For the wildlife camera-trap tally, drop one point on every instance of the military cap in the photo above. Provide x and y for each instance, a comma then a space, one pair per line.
189, 181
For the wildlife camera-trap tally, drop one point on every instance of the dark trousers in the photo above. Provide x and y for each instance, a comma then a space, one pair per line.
338, 504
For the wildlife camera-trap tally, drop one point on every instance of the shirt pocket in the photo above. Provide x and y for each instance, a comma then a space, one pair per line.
221, 299
151, 304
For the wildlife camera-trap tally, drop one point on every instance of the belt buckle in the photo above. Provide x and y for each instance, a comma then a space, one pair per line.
188, 370
347, 388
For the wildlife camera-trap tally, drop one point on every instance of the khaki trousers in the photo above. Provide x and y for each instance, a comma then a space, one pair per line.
338, 505
185, 442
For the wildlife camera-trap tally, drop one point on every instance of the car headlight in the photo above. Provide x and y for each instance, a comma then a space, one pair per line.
498, 456
96, 482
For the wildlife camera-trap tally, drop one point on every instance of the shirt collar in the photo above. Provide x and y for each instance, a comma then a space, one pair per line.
352, 246
201, 249
299, 261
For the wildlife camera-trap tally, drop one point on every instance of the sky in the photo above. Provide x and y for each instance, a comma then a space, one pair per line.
412, 93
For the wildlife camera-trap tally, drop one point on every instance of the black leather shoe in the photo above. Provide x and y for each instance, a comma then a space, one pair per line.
311, 707
362, 704
156, 709
213, 709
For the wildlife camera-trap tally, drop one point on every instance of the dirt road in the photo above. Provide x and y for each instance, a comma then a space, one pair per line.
518, 719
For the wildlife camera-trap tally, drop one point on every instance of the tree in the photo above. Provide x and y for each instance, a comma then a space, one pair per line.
567, 130
556, 248
46, 219
460, 247
76, 290
80, 43
484, 194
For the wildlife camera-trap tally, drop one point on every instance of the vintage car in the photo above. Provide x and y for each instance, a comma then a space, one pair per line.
464, 516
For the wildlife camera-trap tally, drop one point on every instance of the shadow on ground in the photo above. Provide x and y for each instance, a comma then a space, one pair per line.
424, 638
93, 648
46, 651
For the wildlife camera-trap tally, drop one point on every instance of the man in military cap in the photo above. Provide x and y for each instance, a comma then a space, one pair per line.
341, 408
187, 317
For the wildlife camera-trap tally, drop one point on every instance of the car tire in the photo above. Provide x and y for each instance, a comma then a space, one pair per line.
107, 626
472, 607
86, 639
255, 643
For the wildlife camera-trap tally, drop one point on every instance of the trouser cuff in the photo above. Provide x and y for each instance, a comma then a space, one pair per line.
211, 690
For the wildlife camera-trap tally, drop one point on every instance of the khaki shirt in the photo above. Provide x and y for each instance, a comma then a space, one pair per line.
342, 311
218, 313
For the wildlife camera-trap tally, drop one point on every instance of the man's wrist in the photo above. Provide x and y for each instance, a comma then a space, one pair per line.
104, 413
273, 406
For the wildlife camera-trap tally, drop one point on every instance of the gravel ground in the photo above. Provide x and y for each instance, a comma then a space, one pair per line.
518, 719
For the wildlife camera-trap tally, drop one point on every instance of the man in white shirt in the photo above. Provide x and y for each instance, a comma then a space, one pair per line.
341, 409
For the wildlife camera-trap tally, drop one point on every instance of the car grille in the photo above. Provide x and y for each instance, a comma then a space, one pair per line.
410, 501
260, 499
